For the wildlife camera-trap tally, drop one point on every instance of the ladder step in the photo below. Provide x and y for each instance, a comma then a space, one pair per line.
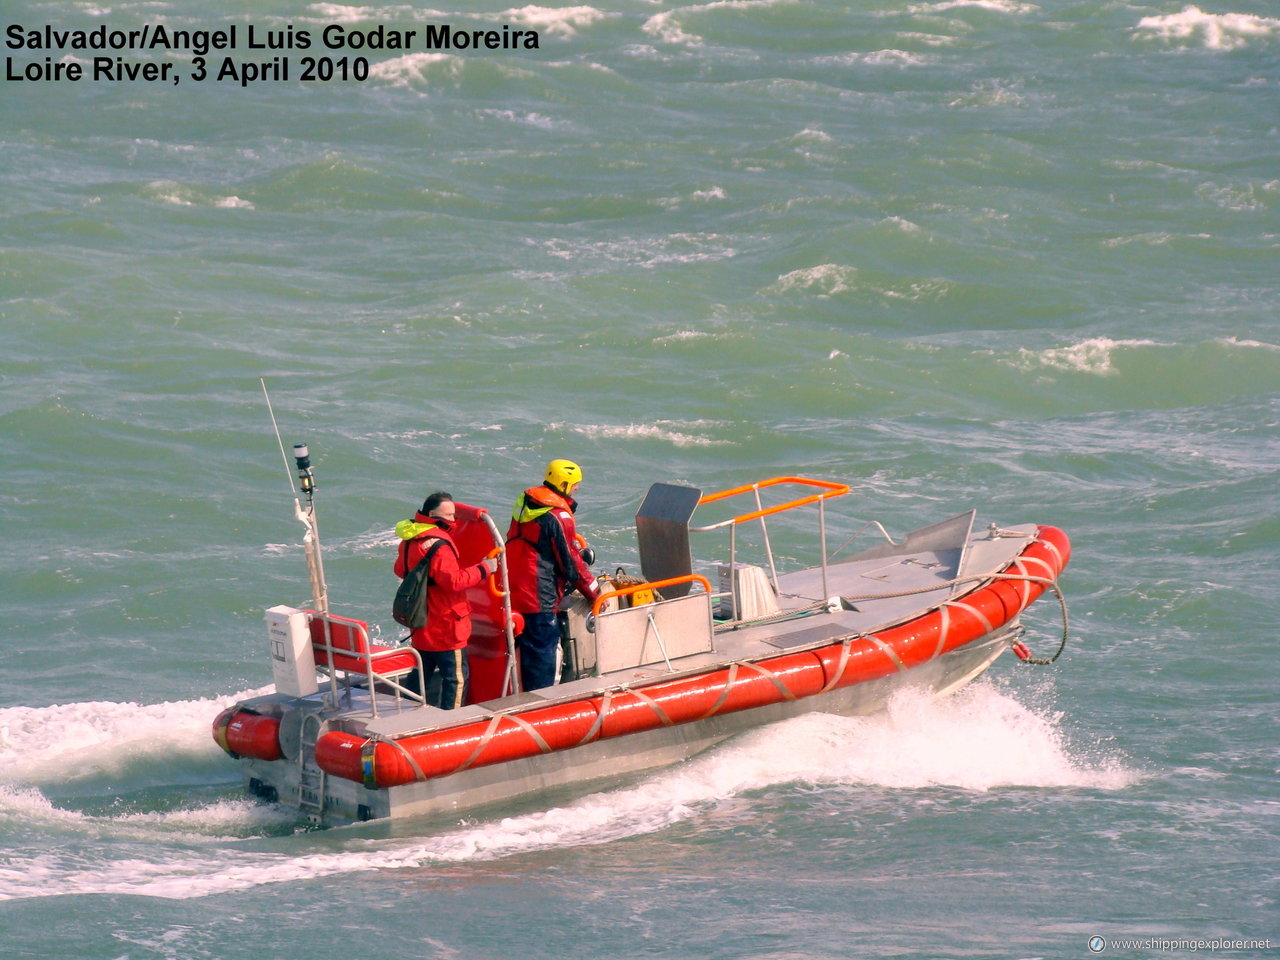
311, 779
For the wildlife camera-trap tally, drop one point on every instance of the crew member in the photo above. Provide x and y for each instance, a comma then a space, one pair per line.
543, 564
442, 642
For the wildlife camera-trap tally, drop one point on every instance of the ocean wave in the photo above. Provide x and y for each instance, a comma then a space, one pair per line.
995, 6
555, 21
826, 280
217, 821
1239, 197
1095, 355
680, 335
697, 196
662, 430
411, 69
645, 252
1158, 238
890, 58
991, 93
1248, 344
1213, 31
99, 738
185, 195
1099, 356
667, 27
538, 121
829, 280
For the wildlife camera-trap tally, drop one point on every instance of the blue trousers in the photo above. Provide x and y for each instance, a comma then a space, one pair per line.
538, 645
454, 674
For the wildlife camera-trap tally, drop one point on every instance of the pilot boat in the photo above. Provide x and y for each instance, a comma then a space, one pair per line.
661, 667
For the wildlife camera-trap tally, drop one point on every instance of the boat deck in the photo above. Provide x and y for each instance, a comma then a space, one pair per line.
938, 556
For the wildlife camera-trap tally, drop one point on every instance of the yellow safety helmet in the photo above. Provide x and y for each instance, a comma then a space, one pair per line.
563, 475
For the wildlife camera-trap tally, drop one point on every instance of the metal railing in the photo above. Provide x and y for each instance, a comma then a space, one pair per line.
690, 630
344, 637
828, 490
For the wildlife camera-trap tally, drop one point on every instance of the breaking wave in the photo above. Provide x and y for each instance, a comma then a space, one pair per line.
101, 738
1213, 31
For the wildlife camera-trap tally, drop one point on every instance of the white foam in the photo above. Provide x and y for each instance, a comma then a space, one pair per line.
206, 823
686, 335
98, 738
410, 69
978, 740
341, 12
554, 21
1154, 238
1094, 355
996, 6
346, 13
536, 120
219, 820
663, 430
1215, 31
811, 133
826, 279
665, 27
1248, 344
901, 223
930, 39
1238, 197
645, 252
832, 279
181, 195
891, 58
991, 93
30, 805
697, 196
166, 191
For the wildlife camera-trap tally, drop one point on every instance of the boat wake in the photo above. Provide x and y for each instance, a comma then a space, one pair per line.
102, 739
980, 739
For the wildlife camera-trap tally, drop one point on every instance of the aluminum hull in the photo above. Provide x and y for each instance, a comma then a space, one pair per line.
347, 801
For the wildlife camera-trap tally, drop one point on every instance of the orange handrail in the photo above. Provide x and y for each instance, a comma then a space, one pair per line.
637, 587
491, 581
831, 490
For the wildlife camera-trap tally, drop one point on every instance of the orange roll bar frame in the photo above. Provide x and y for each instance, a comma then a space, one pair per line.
637, 587
830, 490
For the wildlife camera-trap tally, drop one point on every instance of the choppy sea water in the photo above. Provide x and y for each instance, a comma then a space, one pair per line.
972, 253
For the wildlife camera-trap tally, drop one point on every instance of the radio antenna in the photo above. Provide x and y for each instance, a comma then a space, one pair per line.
275, 426
306, 516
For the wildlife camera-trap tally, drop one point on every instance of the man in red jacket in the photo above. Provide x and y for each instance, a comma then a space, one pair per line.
442, 642
543, 563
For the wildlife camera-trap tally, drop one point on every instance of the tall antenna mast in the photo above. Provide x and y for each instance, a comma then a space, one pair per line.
306, 515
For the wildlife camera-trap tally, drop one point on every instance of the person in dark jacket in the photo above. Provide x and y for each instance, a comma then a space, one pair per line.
543, 564
442, 642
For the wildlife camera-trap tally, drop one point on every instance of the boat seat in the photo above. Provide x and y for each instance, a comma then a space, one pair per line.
346, 642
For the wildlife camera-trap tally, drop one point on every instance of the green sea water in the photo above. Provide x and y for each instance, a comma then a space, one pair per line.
1020, 257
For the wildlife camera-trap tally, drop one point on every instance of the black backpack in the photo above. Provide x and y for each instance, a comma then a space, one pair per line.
409, 608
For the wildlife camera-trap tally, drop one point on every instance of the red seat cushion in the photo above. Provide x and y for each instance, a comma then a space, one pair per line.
344, 634
386, 664
349, 635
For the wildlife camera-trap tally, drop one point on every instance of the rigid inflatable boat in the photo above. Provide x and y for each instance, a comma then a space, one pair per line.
662, 666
